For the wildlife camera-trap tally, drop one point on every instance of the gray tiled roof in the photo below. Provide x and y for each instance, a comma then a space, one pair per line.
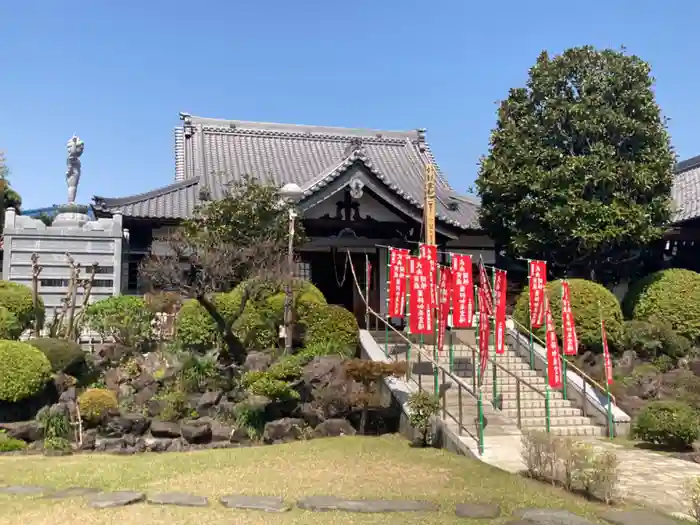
686, 190
175, 201
218, 152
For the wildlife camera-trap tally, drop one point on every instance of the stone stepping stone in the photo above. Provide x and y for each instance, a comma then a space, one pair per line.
263, 503
636, 517
116, 499
23, 490
551, 517
328, 503
71, 492
477, 510
177, 498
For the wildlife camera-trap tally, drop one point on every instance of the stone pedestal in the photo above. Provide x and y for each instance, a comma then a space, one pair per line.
70, 220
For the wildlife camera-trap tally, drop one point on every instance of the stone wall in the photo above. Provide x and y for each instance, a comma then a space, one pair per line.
99, 241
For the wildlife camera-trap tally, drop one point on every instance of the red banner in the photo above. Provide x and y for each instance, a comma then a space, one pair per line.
501, 299
462, 291
429, 252
606, 354
484, 285
398, 261
445, 291
538, 281
569, 339
420, 303
484, 326
553, 357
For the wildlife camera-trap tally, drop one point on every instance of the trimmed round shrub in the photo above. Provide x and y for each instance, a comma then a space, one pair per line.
585, 297
669, 297
10, 327
330, 324
194, 327
17, 298
24, 371
95, 403
668, 423
64, 356
651, 341
124, 317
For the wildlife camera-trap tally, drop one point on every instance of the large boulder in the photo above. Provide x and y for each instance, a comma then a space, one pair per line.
283, 430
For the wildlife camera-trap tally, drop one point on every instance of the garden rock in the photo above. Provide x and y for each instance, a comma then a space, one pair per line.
109, 444
263, 503
178, 445
144, 396
208, 401
164, 429
196, 431
115, 499
626, 363
334, 428
285, 429
122, 425
257, 361
24, 490
69, 395
239, 435
551, 517
329, 503
636, 517
156, 444
477, 510
25, 430
142, 381
312, 414
89, 439
220, 432
177, 498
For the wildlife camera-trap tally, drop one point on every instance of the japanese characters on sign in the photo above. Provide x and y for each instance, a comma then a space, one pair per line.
398, 262
462, 291
444, 294
429, 252
487, 303
483, 337
500, 292
420, 303
538, 281
606, 354
569, 339
554, 374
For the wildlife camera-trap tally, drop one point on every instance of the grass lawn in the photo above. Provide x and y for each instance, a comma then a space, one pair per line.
349, 467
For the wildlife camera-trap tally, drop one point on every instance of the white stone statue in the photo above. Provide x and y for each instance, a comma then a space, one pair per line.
75, 150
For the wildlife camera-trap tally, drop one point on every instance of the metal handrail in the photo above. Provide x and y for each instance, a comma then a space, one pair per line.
568, 362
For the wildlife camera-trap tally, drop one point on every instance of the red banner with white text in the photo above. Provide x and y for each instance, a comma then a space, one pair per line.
606, 354
484, 330
485, 286
444, 293
420, 302
500, 293
537, 283
398, 263
462, 291
569, 337
429, 252
553, 357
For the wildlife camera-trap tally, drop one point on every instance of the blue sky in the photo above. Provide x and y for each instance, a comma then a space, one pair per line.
118, 73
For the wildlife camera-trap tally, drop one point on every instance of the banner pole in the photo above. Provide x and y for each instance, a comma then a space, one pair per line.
563, 359
547, 315
388, 293
608, 372
409, 277
436, 329
477, 360
477, 364
494, 386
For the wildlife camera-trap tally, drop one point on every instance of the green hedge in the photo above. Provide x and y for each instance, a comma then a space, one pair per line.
24, 371
330, 324
668, 423
670, 297
10, 327
17, 298
64, 356
650, 341
585, 298
126, 318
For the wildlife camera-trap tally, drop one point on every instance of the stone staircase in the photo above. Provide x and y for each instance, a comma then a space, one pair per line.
520, 400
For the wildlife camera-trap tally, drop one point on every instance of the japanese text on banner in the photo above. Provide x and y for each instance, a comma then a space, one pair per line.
462, 291
500, 330
444, 304
484, 326
420, 304
398, 262
429, 252
485, 287
606, 355
553, 357
538, 281
569, 339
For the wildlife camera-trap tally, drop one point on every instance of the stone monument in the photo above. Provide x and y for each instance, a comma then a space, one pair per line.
72, 214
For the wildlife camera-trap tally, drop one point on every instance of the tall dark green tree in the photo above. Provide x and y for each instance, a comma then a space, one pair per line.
10, 198
580, 165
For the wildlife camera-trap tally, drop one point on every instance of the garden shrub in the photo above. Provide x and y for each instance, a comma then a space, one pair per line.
175, 406
10, 327
124, 317
10, 444
95, 403
17, 298
64, 355
24, 371
423, 406
585, 297
194, 327
330, 323
199, 373
272, 388
287, 368
668, 297
324, 348
668, 423
651, 340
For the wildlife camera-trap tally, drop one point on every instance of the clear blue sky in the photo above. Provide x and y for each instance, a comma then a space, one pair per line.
118, 73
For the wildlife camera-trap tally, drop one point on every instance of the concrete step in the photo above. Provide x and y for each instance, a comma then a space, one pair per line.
541, 412
535, 403
579, 431
529, 395
555, 421
508, 382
